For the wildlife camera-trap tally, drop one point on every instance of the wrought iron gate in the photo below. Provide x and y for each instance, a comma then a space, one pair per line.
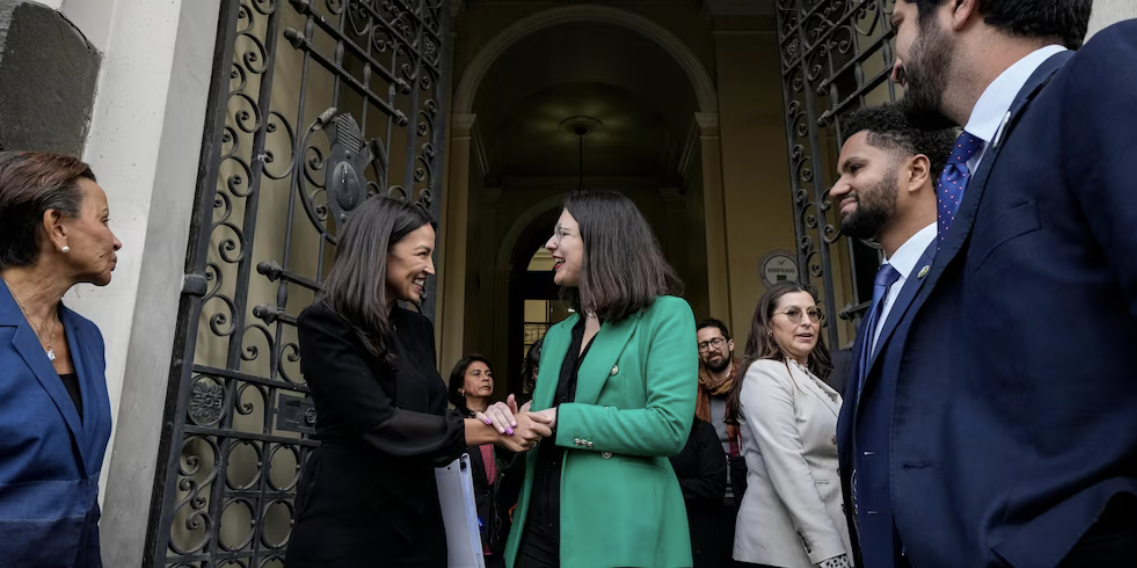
272, 191
836, 57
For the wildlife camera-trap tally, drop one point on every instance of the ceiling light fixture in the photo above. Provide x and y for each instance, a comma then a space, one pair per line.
580, 126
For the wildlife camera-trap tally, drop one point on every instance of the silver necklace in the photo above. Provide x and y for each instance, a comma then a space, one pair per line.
39, 332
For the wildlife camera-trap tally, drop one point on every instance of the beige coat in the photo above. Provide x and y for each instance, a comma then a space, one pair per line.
791, 514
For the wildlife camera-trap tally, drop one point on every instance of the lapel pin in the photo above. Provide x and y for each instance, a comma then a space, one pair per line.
924, 271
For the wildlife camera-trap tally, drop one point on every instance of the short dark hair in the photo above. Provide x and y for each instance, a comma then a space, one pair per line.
1066, 21
532, 362
624, 270
458, 378
888, 127
712, 322
356, 287
31, 184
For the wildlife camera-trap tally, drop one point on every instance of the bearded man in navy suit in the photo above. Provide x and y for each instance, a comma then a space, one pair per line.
1014, 417
886, 193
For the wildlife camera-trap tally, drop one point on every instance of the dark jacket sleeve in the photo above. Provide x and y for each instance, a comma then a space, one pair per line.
709, 485
337, 369
1097, 132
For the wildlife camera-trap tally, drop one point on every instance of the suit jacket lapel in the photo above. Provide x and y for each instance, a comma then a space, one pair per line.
847, 419
87, 371
553, 353
965, 217
602, 356
911, 286
31, 350
820, 390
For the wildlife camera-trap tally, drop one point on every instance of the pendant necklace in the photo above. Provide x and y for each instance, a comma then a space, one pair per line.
39, 332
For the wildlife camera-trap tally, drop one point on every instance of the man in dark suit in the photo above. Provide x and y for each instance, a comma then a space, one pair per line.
701, 469
1014, 413
886, 193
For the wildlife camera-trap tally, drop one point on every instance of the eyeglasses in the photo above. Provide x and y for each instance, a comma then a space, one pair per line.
794, 314
715, 343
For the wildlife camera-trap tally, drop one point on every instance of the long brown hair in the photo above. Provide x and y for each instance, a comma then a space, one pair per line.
356, 287
761, 345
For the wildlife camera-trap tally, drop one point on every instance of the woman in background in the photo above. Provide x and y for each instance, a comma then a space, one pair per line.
790, 516
471, 386
616, 383
529, 371
55, 415
368, 491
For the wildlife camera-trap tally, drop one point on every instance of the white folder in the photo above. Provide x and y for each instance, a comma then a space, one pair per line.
456, 494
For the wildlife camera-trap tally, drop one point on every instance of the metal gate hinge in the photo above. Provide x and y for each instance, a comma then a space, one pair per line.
194, 285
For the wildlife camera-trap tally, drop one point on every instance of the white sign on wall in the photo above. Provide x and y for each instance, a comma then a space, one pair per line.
778, 266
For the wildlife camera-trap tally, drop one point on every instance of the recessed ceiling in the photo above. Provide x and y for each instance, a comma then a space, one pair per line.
611, 73
632, 139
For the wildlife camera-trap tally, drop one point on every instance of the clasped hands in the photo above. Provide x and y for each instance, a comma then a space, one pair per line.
519, 430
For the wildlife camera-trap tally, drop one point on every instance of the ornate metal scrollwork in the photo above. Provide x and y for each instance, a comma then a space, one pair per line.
208, 402
826, 47
270, 200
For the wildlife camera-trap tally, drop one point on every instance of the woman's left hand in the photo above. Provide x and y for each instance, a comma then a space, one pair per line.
500, 415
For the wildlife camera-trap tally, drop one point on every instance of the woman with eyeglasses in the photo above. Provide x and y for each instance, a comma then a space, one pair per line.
616, 385
791, 514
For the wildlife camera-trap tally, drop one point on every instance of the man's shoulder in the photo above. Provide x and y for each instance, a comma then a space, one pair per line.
1105, 65
1106, 43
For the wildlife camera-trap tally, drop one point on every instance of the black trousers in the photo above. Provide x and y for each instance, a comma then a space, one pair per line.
526, 559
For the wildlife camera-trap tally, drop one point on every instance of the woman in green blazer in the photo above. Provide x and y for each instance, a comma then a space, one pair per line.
618, 381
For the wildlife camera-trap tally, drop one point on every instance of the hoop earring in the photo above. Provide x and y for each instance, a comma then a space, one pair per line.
66, 249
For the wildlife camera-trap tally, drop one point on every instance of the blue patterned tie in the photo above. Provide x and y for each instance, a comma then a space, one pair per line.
885, 277
953, 180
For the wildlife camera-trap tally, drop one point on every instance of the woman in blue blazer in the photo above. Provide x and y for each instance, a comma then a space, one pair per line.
55, 417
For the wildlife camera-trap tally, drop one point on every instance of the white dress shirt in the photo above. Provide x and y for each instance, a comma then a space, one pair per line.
904, 261
990, 112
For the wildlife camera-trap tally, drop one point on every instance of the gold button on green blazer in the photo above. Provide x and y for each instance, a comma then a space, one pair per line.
635, 399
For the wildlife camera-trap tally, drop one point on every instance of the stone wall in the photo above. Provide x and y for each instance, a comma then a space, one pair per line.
48, 74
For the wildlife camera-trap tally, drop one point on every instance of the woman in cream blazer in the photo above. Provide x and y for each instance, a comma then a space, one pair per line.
790, 516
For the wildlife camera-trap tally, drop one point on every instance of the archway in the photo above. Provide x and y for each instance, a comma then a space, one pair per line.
475, 72
660, 135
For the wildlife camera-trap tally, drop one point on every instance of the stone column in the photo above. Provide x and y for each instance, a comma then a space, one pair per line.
452, 273
144, 143
718, 273
48, 75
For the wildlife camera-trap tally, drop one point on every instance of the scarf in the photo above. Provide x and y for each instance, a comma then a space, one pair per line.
710, 386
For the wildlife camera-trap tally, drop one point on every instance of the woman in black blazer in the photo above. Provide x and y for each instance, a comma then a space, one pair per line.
368, 493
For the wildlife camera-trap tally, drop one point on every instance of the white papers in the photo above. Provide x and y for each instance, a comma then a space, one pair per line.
456, 494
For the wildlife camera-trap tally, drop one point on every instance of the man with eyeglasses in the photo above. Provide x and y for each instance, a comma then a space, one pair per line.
717, 369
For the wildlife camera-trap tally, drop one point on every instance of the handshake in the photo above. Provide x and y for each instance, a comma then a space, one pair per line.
519, 430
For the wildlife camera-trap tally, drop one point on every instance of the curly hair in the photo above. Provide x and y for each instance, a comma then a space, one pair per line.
889, 128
